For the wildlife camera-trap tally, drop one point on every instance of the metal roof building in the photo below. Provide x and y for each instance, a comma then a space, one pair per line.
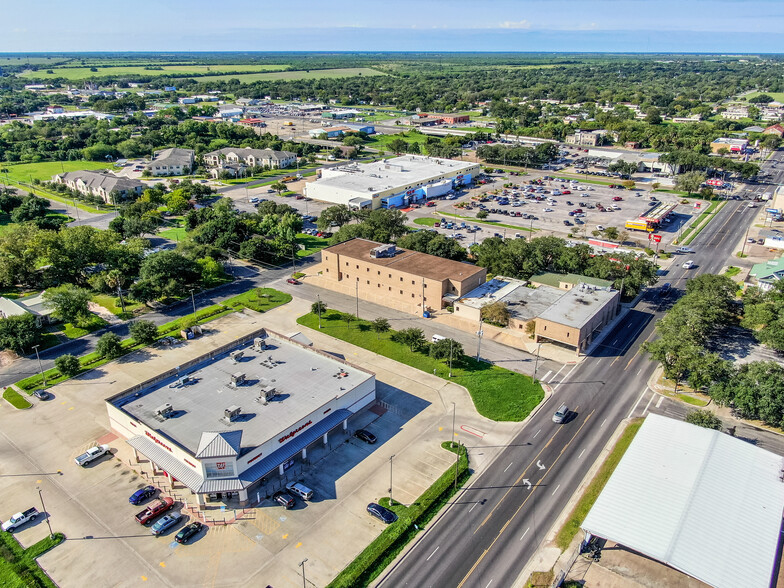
698, 500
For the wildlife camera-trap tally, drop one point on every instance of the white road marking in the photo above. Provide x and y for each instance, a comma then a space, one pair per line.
547, 374
598, 362
488, 584
507, 467
473, 507
647, 406
539, 431
661, 399
432, 554
556, 490
604, 421
524, 534
631, 412
581, 454
638, 371
566, 377
556, 373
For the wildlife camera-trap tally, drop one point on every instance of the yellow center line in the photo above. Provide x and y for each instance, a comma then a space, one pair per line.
534, 488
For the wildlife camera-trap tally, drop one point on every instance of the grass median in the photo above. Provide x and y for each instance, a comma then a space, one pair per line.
498, 394
15, 399
18, 568
369, 564
595, 487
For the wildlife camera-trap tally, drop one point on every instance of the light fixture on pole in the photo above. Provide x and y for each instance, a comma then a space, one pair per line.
302, 565
390, 478
46, 514
40, 365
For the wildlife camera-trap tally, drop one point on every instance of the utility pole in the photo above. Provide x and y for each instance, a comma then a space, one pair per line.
40, 365
318, 297
193, 300
457, 464
356, 295
424, 309
122, 302
536, 361
390, 478
479, 333
451, 343
46, 514
454, 411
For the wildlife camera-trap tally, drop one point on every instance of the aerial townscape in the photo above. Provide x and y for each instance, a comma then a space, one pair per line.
433, 295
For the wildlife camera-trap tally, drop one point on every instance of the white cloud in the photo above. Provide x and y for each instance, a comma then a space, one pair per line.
519, 24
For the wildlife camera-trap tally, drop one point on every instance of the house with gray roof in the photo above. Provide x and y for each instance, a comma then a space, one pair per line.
250, 157
171, 162
99, 183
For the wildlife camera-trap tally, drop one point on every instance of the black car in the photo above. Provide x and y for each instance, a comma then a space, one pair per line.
283, 499
42, 394
142, 494
366, 436
665, 289
381, 513
188, 532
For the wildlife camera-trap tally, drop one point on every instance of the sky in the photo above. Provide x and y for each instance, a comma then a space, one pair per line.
710, 26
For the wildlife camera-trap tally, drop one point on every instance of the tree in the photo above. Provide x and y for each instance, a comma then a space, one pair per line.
109, 346
19, 333
348, 318
380, 326
761, 99
398, 145
338, 215
166, 273
31, 208
628, 184
68, 303
496, 314
690, 181
318, 308
611, 233
144, 332
68, 365
653, 116
704, 418
482, 214
279, 187
530, 328
446, 348
414, 338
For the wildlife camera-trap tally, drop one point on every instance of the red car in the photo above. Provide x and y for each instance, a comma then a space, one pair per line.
566, 191
431, 203
293, 281
153, 510
617, 198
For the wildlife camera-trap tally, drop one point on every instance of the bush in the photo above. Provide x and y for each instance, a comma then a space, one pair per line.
704, 418
68, 365
144, 332
109, 346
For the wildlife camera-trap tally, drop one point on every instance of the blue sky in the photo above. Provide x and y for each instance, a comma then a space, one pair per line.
726, 26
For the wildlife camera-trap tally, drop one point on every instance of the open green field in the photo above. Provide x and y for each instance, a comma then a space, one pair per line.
314, 74
312, 244
24, 172
777, 96
81, 73
382, 141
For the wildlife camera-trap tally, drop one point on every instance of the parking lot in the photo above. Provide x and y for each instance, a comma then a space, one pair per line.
106, 546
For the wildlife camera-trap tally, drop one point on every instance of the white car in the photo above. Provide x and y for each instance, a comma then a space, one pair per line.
685, 250
688, 264
615, 207
599, 227
547, 209
91, 454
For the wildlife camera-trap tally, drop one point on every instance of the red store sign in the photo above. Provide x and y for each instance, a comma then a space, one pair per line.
290, 434
158, 441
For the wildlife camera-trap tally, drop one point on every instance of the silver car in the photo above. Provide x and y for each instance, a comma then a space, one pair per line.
561, 414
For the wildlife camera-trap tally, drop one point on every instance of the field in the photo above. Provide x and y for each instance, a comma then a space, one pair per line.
24, 172
382, 141
81, 73
315, 74
777, 96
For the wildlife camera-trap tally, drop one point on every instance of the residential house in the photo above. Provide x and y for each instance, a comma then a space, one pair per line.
171, 162
767, 273
774, 130
102, 184
33, 304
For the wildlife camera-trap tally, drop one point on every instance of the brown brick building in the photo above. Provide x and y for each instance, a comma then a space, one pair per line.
397, 278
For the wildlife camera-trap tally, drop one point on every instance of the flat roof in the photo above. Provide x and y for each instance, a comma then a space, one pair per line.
303, 377
578, 305
699, 500
412, 262
553, 279
392, 173
523, 303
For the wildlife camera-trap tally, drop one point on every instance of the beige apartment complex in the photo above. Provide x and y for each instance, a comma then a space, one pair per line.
397, 278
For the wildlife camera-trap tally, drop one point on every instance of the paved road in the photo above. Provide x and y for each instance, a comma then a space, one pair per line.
496, 525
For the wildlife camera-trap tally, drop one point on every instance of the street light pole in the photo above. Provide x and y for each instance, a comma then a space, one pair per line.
193, 300
451, 342
390, 478
43, 508
536, 362
318, 297
302, 565
454, 411
40, 365
356, 294
479, 333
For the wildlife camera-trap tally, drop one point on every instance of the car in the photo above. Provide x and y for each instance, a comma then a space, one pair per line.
381, 513
158, 507
688, 264
164, 523
599, 227
142, 494
41, 394
365, 436
566, 192
617, 198
665, 289
187, 532
750, 240
685, 250
560, 415
547, 209
91, 454
293, 281
567, 223
284, 499
253, 199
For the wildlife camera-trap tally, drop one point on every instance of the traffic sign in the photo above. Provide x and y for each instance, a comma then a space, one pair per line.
772, 211
657, 238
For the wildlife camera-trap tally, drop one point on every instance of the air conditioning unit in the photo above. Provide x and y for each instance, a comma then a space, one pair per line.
164, 410
237, 379
232, 413
259, 344
266, 393
236, 356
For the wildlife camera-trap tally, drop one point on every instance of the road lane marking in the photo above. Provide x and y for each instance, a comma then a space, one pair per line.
631, 412
639, 371
604, 421
524, 534
581, 454
661, 399
543, 379
647, 406
539, 431
566, 377
432, 554
556, 373
507, 467
473, 507
556, 490
531, 493
488, 584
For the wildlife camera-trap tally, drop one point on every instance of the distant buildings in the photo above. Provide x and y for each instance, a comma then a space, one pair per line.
774, 130
587, 138
171, 162
100, 184
250, 157
731, 145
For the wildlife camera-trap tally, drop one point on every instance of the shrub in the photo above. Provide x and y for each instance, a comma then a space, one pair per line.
68, 365
704, 418
109, 346
144, 332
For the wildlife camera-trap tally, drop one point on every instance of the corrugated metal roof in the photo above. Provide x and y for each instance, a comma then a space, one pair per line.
698, 500
214, 444
167, 461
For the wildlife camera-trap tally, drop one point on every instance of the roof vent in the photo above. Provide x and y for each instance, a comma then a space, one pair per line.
267, 392
230, 414
237, 379
164, 411
236, 356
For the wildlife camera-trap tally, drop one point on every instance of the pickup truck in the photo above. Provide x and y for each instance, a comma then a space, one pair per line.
156, 508
20, 518
91, 454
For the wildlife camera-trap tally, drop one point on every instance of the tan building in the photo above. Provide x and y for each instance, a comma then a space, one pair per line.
731, 145
402, 279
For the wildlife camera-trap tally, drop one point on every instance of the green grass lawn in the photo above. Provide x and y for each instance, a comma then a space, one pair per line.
258, 299
175, 230
312, 244
74, 332
81, 73
6, 223
382, 141
498, 394
44, 170
16, 399
777, 96
577, 516
313, 74
702, 221
18, 568
732, 271
112, 303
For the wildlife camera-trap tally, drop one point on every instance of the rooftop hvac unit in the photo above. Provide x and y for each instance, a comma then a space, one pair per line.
266, 393
237, 379
382, 251
259, 344
164, 410
236, 356
231, 413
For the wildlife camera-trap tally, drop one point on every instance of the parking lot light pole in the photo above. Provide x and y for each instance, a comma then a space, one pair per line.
193, 300
454, 411
536, 362
479, 334
390, 478
46, 514
40, 365
302, 565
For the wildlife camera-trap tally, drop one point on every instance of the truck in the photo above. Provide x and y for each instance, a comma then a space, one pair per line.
156, 508
20, 518
288, 179
91, 454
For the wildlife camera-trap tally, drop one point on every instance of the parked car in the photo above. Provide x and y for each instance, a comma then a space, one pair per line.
293, 281
665, 289
91, 454
284, 499
165, 522
158, 507
20, 518
187, 532
599, 227
381, 513
365, 436
142, 494
617, 198
41, 394
686, 250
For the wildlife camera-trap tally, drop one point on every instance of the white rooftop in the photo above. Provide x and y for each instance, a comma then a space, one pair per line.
578, 305
392, 173
698, 500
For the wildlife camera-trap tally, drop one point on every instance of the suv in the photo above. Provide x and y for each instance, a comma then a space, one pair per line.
365, 436
283, 499
561, 414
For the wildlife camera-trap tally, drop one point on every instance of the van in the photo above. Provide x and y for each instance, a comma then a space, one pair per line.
561, 414
437, 338
300, 490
